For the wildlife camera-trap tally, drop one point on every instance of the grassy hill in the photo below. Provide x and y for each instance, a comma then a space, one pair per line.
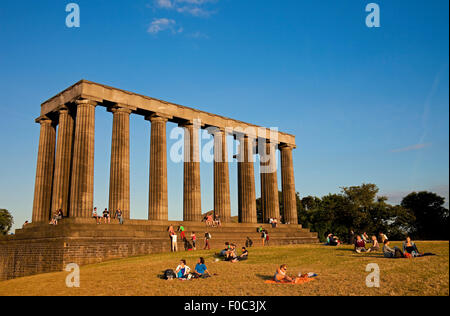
341, 272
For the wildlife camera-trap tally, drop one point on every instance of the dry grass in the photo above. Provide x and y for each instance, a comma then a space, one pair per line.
341, 272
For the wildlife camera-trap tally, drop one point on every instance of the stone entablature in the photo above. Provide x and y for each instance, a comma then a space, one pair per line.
139, 104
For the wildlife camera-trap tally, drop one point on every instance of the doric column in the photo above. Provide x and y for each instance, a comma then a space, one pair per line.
192, 203
119, 180
246, 181
269, 182
158, 204
82, 182
44, 171
288, 184
63, 161
222, 205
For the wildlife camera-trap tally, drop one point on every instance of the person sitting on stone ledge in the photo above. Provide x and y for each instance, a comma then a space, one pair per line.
95, 215
106, 216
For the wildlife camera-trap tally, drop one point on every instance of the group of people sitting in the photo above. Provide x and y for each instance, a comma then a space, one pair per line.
409, 250
332, 240
361, 242
230, 253
56, 217
106, 215
212, 220
183, 272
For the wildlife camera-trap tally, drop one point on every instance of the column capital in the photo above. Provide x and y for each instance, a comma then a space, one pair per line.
283, 146
197, 123
213, 130
86, 102
43, 119
62, 108
158, 117
117, 109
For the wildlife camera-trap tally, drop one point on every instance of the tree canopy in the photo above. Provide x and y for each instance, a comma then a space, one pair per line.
6, 221
360, 209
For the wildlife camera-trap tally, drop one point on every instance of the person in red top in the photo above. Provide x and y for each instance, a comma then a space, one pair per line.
194, 240
360, 245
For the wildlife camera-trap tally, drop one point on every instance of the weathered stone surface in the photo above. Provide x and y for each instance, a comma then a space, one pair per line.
269, 183
104, 94
158, 204
44, 171
119, 183
41, 248
246, 181
222, 205
63, 161
82, 184
288, 183
192, 202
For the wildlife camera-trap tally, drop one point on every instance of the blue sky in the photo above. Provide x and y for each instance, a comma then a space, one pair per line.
366, 104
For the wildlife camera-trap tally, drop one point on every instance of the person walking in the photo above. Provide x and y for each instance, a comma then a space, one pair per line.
194, 240
174, 245
207, 239
119, 216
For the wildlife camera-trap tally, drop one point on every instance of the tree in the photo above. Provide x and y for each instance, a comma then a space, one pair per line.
431, 217
6, 221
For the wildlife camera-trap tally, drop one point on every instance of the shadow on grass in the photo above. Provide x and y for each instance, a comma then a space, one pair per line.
265, 277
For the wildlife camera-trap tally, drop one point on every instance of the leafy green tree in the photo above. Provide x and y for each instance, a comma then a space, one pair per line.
6, 221
431, 217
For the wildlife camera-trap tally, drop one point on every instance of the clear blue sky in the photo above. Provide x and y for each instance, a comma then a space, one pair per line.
366, 104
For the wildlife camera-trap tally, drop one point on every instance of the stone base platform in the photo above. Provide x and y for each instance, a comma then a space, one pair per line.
45, 248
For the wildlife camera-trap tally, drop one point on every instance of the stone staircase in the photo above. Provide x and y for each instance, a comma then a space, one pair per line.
40, 248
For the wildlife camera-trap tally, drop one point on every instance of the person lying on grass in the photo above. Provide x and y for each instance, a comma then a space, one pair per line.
282, 277
200, 269
242, 257
392, 253
183, 271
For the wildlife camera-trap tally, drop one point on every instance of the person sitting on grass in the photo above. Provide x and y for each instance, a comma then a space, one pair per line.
332, 240
391, 253
200, 269
183, 271
360, 245
375, 245
409, 247
242, 257
231, 253
281, 275
223, 253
